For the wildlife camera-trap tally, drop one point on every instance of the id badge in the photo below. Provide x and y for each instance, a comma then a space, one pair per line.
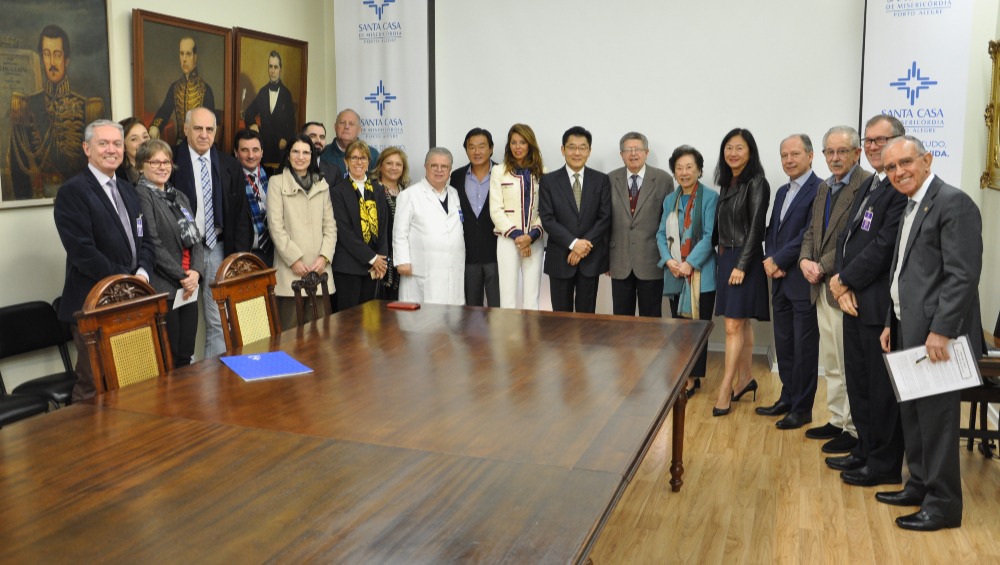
138, 226
461, 216
866, 222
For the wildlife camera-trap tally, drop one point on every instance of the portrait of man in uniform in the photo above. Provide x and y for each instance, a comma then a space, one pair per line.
188, 92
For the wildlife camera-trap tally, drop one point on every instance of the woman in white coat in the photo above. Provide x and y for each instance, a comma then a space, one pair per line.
427, 237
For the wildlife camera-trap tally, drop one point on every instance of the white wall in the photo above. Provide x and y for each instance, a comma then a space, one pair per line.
32, 258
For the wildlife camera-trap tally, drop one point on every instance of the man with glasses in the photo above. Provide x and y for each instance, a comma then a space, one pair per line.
574, 204
842, 149
637, 194
861, 286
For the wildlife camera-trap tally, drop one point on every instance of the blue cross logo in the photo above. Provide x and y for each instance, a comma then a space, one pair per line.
379, 6
380, 98
913, 83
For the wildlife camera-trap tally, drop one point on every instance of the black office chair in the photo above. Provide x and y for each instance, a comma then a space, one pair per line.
980, 398
33, 326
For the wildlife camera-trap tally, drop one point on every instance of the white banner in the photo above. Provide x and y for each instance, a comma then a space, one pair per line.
382, 73
916, 69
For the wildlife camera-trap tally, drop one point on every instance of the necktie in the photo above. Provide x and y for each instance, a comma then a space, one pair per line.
263, 238
123, 216
577, 189
633, 192
910, 205
206, 191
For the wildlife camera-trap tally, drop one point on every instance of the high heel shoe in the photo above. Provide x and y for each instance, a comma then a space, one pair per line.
716, 412
751, 386
689, 392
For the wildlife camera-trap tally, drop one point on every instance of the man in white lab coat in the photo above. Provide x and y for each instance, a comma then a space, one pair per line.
427, 236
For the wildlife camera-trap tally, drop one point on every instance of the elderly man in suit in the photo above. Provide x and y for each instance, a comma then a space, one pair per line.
574, 204
215, 187
99, 221
796, 334
637, 194
861, 286
842, 149
934, 294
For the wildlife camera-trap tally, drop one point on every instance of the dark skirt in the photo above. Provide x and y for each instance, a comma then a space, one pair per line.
748, 300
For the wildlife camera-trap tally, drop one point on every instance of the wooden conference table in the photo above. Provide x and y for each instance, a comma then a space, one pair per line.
447, 434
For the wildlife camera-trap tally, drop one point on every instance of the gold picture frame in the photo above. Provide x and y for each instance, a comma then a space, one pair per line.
991, 176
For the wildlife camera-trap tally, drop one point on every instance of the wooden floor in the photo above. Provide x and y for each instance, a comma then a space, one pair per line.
756, 494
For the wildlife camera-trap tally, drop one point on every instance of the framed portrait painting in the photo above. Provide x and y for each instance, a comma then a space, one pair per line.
270, 91
179, 65
55, 80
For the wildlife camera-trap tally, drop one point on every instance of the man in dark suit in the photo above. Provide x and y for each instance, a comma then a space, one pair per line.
473, 185
842, 149
274, 105
861, 286
213, 184
574, 204
796, 334
637, 194
934, 294
99, 221
254, 179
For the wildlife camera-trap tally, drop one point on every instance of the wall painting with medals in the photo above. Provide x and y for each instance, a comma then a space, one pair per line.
54, 80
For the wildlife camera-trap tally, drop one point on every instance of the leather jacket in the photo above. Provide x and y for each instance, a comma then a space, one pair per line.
740, 218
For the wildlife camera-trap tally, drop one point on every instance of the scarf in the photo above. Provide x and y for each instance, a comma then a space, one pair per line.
682, 237
369, 211
185, 220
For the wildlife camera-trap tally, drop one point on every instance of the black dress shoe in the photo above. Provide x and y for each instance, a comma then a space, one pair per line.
776, 409
826, 431
924, 522
794, 420
845, 463
843, 443
899, 498
865, 477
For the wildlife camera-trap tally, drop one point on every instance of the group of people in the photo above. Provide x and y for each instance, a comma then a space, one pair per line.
898, 251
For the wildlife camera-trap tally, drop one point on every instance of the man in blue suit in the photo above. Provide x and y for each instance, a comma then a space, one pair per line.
796, 333
99, 221
574, 204
214, 185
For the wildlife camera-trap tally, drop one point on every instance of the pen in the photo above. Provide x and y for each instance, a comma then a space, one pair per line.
921, 359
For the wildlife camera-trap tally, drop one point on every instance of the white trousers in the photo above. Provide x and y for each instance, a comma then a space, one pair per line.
511, 268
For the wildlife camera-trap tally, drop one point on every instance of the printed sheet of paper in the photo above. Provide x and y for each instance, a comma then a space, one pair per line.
915, 376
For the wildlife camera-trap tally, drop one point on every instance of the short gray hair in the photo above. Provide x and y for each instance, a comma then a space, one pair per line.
187, 116
852, 134
89, 132
921, 151
631, 136
803, 138
894, 123
439, 151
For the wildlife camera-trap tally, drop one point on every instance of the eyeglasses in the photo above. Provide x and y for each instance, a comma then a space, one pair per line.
878, 141
159, 164
842, 152
632, 150
357, 158
577, 148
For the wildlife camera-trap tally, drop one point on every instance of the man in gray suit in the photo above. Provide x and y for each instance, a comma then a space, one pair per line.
637, 193
934, 290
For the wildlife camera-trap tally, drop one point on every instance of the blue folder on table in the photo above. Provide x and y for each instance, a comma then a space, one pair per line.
271, 365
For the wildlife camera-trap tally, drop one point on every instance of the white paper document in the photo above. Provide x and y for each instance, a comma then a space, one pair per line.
915, 376
180, 301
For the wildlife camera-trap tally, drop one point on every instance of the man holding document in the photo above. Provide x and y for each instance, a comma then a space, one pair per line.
934, 291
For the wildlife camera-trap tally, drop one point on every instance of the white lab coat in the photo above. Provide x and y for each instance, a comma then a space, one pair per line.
433, 243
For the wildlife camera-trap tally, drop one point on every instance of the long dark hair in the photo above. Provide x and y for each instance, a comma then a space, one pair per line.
724, 173
313, 169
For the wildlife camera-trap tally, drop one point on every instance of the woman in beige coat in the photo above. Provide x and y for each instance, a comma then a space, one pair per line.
300, 219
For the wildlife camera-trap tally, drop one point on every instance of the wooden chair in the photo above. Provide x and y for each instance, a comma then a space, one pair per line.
980, 397
244, 291
124, 330
34, 326
310, 284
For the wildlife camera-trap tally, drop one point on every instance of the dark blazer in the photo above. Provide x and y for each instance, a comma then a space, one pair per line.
940, 269
564, 222
740, 219
352, 254
783, 239
162, 231
480, 241
95, 241
864, 257
820, 246
632, 245
274, 126
229, 197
